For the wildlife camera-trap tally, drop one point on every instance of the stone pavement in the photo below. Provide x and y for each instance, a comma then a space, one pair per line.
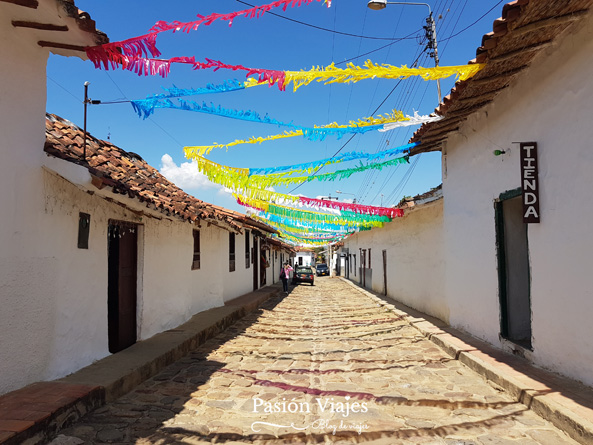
325, 364
35, 413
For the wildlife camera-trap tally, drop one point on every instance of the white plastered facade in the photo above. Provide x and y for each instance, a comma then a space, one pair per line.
550, 104
415, 268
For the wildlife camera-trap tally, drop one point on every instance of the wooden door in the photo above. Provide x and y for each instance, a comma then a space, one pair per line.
122, 276
255, 264
385, 272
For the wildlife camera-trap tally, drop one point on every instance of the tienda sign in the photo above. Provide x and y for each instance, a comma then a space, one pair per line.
529, 182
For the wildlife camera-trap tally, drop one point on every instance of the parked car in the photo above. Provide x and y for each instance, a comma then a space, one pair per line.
303, 274
322, 269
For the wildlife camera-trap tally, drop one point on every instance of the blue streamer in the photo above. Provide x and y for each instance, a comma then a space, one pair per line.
144, 108
147, 106
313, 225
351, 156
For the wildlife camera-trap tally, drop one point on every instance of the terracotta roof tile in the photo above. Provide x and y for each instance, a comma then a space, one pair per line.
525, 28
129, 175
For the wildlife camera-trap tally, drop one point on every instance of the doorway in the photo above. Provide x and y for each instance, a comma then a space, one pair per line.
121, 288
255, 261
513, 269
385, 272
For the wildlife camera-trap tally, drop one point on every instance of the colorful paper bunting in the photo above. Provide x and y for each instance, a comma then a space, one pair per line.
309, 167
317, 133
345, 218
235, 180
329, 74
145, 45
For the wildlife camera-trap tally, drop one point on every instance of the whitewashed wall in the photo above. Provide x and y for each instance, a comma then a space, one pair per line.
25, 270
549, 104
415, 262
59, 312
306, 256
240, 281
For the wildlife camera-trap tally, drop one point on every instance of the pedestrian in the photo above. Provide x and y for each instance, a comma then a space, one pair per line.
284, 275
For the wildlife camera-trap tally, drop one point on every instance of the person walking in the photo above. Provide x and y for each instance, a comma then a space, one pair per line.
284, 275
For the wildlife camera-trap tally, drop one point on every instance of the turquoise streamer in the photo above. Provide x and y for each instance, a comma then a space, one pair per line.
350, 156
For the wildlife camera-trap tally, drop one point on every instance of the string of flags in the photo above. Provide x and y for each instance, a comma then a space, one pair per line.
298, 219
145, 45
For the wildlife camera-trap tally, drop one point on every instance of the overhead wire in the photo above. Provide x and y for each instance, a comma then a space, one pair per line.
326, 29
401, 185
474, 23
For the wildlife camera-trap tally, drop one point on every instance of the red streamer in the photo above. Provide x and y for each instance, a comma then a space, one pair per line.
144, 46
145, 66
357, 208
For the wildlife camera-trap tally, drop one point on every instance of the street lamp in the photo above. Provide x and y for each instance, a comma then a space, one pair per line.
342, 193
430, 29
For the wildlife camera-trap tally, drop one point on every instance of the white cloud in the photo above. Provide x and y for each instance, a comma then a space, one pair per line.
185, 176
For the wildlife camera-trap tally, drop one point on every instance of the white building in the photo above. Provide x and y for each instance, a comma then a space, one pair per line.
523, 287
405, 258
98, 250
304, 257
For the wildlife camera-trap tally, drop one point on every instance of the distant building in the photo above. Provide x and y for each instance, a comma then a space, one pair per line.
304, 257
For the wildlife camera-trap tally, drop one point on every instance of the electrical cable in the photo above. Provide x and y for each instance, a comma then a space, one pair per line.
472, 24
70, 93
352, 137
326, 29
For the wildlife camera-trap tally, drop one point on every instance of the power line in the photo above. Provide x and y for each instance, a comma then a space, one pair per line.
472, 24
326, 29
352, 137
67, 91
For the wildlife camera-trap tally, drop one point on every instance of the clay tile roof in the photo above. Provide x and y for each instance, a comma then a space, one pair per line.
423, 198
128, 174
525, 28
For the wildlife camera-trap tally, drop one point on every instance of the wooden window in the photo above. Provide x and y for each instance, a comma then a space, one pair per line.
84, 226
231, 252
247, 250
196, 259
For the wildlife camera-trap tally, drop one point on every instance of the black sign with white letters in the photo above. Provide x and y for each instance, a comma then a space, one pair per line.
530, 182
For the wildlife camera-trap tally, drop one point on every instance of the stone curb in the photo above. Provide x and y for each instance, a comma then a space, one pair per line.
117, 374
539, 390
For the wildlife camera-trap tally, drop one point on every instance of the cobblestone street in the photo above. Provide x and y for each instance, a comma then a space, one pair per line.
324, 364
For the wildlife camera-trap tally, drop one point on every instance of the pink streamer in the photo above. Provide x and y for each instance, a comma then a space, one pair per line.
357, 208
145, 45
145, 66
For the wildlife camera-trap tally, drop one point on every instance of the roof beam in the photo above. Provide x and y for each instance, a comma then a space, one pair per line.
45, 44
26, 3
42, 26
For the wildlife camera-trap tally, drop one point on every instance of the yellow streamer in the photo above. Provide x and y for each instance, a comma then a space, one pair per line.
201, 150
353, 73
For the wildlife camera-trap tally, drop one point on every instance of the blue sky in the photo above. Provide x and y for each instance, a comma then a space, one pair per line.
272, 42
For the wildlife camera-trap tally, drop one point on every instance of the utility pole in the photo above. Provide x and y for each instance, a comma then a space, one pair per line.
431, 36
86, 102
430, 30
